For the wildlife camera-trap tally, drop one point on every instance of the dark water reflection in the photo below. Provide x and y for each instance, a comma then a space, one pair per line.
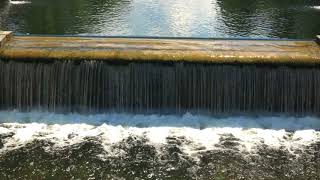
140, 160
197, 18
271, 18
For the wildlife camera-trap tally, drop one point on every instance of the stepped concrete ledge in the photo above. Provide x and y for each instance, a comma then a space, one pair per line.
4, 37
223, 51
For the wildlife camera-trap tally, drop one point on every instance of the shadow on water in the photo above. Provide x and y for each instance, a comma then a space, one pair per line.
58, 16
285, 19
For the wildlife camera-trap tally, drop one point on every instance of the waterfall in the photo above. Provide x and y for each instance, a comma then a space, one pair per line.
124, 120
99, 86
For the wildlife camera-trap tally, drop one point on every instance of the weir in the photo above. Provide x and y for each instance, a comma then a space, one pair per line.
102, 74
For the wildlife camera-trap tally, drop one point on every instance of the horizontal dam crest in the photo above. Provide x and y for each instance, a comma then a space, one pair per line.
219, 51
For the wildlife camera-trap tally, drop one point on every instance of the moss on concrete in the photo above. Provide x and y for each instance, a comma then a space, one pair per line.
170, 50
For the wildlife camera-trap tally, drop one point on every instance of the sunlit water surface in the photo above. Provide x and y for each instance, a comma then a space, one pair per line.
174, 18
42, 145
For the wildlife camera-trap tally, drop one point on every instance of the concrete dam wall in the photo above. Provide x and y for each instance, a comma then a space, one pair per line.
90, 74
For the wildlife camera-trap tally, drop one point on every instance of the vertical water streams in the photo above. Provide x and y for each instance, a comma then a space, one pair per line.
97, 86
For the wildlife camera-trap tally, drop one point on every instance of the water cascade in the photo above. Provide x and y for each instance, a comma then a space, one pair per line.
97, 86
137, 108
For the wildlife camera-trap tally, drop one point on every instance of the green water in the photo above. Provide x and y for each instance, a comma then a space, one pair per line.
177, 18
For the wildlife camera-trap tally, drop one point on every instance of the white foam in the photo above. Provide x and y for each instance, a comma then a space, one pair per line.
19, 2
68, 134
156, 120
315, 7
200, 133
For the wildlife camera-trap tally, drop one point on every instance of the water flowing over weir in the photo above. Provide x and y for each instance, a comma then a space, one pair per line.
97, 86
136, 108
147, 75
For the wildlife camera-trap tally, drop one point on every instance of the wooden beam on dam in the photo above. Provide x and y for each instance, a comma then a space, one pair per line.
160, 49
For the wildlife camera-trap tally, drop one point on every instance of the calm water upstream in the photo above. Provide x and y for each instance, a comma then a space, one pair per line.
187, 18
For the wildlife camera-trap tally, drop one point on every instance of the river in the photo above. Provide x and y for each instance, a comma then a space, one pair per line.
39, 142
173, 18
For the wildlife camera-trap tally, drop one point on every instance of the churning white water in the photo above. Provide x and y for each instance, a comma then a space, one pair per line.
19, 2
315, 7
199, 133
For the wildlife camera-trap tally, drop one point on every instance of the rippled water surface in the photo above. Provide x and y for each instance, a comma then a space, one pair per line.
196, 18
44, 145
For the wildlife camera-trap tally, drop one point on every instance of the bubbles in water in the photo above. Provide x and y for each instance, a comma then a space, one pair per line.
316, 7
19, 2
159, 145
194, 131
